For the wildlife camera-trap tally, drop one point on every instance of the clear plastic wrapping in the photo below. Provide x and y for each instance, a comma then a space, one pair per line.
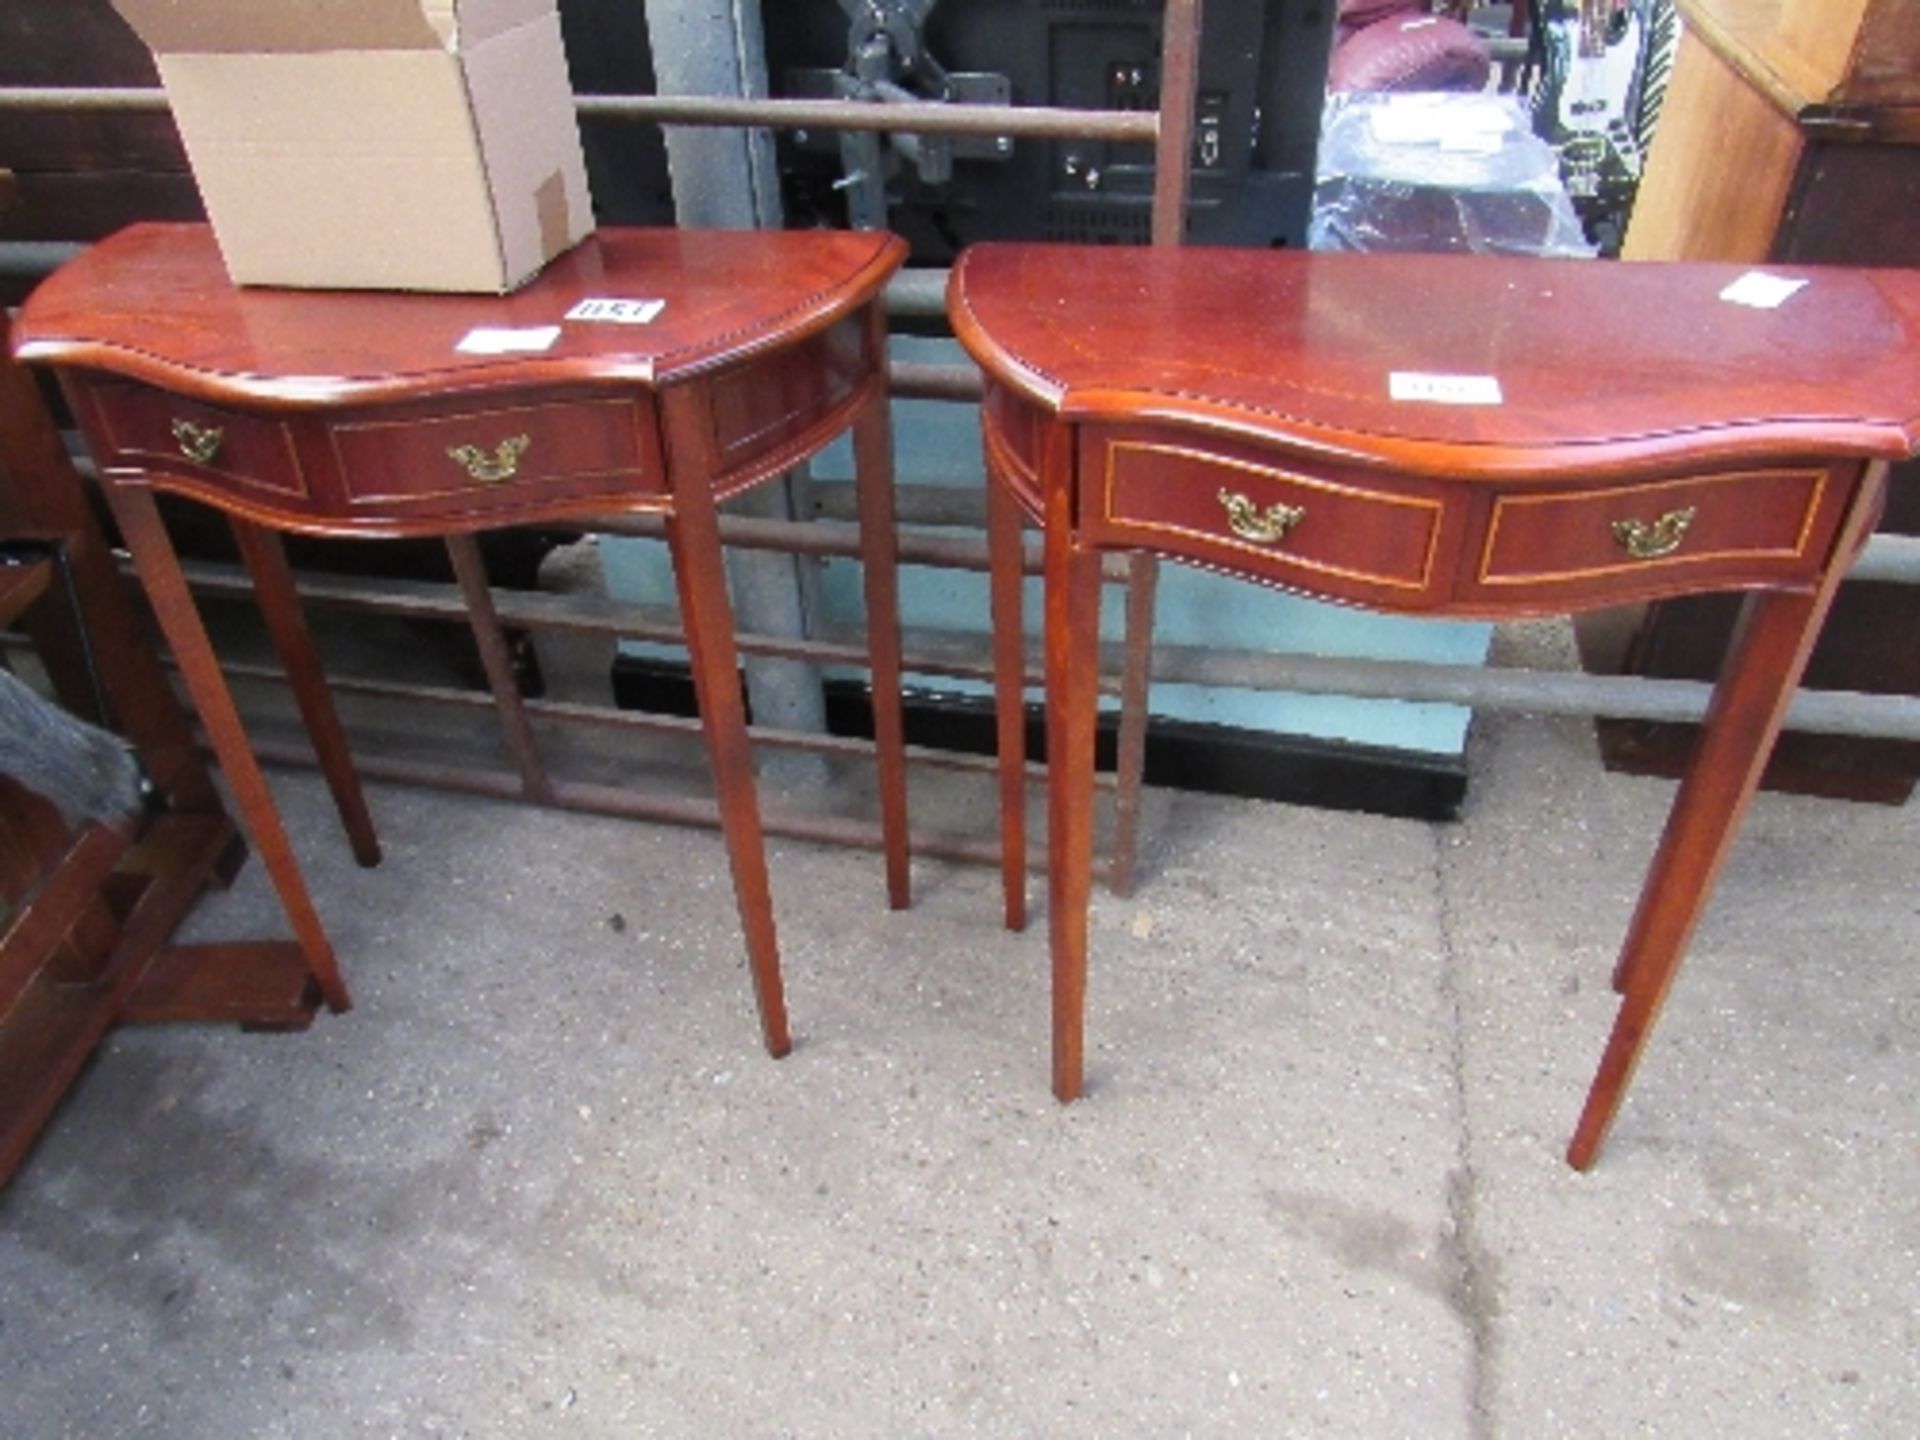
1439, 172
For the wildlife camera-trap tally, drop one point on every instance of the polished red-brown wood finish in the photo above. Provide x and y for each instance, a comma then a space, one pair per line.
353, 413
1433, 435
87, 915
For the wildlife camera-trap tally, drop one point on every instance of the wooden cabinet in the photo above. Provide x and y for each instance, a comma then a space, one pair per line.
1827, 53
1791, 134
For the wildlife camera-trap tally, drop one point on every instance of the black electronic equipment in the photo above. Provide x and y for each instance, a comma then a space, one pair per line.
1262, 80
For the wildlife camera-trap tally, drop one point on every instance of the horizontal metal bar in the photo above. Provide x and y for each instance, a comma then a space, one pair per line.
1886, 557
913, 380
636, 805
953, 655
82, 97
920, 294
958, 503
928, 117
34, 258
838, 539
1625, 697
945, 653
606, 717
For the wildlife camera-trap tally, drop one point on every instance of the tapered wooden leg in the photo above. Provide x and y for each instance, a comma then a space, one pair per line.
471, 571
1073, 657
1764, 664
880, 570
707, 614
179, 620
1130, 759
266, 561
1006, 566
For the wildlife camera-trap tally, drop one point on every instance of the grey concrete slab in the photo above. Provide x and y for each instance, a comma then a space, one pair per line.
542, 1174
1745, 1258
542, 1180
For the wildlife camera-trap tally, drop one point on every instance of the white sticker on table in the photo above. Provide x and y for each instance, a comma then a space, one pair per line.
608, 310
1430, 389
493, 340
1761, 290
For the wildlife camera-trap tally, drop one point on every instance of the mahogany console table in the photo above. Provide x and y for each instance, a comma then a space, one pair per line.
1439, 436
645, 370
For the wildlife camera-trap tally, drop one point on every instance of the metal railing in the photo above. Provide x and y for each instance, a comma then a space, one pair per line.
1131, 664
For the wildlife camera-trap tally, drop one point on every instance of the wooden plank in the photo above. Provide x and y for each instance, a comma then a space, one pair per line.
1813, 53
1722, 165
259, 984
20, 586
50, 1031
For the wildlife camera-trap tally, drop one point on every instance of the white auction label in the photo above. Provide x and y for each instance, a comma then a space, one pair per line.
1444, 389
493, 340
1761, 290
606, 310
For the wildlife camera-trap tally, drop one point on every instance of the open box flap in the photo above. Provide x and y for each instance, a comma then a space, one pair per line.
212, 27
477, 20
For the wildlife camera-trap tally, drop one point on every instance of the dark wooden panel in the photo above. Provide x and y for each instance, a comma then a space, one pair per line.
1854, 205
1377, 540
91, 204
79, 43
773, 401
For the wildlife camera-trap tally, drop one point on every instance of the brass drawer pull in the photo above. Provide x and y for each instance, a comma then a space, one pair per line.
491, 469
1650, 542
1263, 529
199, 443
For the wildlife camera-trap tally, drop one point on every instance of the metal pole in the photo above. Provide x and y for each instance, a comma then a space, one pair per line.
919, 118
727, 178
1172, 174
1533, 692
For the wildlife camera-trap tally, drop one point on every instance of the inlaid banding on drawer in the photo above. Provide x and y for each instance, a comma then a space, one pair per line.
778, 398
562, 448
1580, 535
1180, 496
1011, 433
1013, 425
243, 452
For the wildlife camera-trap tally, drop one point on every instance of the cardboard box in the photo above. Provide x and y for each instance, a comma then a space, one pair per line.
376, 144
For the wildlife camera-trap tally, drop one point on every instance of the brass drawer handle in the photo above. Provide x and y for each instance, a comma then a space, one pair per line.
1263, 529
199, 443
491, 469
1650, 542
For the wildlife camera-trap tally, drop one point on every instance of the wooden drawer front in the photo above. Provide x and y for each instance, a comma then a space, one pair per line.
773, 405
1754, 522
506, 455
241, 454
1341, 538
1015, 425
1011, 429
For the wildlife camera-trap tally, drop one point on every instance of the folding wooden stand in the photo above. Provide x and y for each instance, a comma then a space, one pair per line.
87, 916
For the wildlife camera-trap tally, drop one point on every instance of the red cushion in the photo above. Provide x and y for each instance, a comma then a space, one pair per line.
1416, 52
1358, 14
1365, 12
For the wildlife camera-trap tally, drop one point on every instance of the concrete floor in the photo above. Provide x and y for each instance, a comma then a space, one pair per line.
542, 1180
